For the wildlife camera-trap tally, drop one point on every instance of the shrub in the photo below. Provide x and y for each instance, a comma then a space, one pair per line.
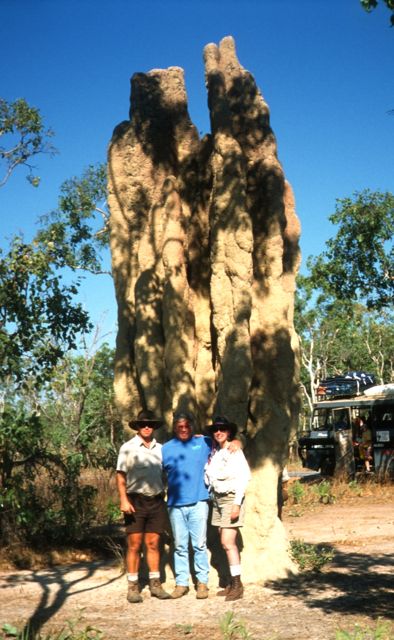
296, 491
324, 491
310, 557
383, 630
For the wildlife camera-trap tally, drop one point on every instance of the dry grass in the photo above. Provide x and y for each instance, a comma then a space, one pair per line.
106, 500
306, 493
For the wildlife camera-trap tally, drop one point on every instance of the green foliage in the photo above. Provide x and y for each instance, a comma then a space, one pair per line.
382, 630
356, 488
342, 338
48, 436
343, 311
40, 323
41, 497
358, 263
296, 491
310, 557
69, 632
113, 512
22, 128
233, 629
324, 491
56, 409
78, 230
77, 407
39, 319
368, 5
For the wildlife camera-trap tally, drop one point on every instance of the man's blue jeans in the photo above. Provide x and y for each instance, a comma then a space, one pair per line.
190, 520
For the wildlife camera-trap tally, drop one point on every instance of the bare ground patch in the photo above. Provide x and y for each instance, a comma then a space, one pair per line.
358, 586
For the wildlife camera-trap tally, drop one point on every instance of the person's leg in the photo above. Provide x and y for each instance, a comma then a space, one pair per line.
197, 521
152, 545
152, 542
134, 542
228, 538
180, 532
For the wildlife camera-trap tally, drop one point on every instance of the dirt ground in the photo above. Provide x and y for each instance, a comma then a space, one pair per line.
357, 587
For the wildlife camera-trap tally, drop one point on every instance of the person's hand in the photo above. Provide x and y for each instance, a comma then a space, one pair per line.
126, 506
235, 512
234, 445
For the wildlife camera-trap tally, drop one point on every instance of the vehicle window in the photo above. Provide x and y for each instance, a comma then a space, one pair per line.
320, 419
341, 419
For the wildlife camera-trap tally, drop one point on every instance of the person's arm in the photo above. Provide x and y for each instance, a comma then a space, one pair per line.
235, 511
237, 444
243, 477
125, 504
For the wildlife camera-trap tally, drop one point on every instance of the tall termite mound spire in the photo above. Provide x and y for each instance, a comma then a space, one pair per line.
253, 207
204, 242
158, 195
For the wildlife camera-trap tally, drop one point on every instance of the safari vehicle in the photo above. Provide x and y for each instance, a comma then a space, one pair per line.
331, 419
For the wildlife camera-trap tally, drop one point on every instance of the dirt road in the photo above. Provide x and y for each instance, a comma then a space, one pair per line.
358, 586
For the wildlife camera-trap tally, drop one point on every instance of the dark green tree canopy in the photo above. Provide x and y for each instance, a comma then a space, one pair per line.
39, 317
77, 231
358, 263
344, 305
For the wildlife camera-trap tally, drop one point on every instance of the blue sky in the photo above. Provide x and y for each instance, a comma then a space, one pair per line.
325, 68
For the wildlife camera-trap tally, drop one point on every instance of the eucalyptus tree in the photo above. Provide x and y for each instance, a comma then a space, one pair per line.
23, 136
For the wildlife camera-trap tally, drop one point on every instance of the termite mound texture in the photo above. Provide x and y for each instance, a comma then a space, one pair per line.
204, 241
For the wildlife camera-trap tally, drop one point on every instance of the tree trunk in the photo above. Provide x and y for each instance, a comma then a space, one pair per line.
345, 466
204, 241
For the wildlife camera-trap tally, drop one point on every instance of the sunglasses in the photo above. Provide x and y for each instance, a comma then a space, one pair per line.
222, 429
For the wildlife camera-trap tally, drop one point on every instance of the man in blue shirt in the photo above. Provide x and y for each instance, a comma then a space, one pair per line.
184, 459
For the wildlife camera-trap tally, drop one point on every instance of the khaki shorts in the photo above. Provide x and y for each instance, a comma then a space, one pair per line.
222, 504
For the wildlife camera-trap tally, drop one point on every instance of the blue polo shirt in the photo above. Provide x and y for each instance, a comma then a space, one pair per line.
184, 464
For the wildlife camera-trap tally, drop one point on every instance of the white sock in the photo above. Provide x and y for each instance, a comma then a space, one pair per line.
235, 570
154, 574
132, 577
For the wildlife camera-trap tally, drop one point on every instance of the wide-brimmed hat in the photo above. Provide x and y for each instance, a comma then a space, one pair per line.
146, 418
220, 421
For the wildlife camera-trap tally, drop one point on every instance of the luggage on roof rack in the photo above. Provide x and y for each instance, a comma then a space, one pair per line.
351, 383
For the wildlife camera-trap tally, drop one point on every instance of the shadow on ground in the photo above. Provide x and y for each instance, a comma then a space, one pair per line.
56, 586
354, 583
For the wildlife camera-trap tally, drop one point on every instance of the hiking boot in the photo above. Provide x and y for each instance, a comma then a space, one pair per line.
179, 591
157, 591
225, 591
201, 591
133, 592
236, 589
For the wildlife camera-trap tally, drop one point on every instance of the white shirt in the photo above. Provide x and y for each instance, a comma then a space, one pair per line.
142, 466
228, 473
